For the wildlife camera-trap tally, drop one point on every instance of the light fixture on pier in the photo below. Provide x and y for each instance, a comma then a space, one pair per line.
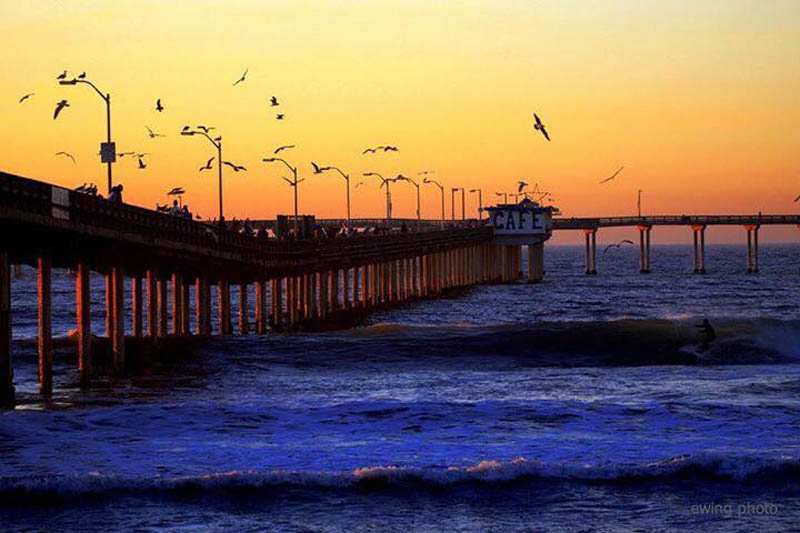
400, 177
441, 189
217, 142
384, 183
347, 183
294, 182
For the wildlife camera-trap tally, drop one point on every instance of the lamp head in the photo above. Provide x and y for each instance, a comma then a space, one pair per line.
68, 82
269, 159
474, 190
187, 133
370, 174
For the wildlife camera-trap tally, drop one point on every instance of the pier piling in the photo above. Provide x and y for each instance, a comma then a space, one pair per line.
45, 322
83, 314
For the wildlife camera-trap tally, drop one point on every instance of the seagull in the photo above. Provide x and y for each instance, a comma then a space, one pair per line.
521, 185
153, 134
186, 128
240, 80
617, 245
176, 191
279, 116
360, 183
59, 106
539, 126
123, 154
141, 155
207, 165
205, 129
390, 149
159, 107
368, 151
82, 76
614, 175
281, 148
317, 169
797, 199
236, 168
25, 97
66, 154
142, 165
273, 101
62, 76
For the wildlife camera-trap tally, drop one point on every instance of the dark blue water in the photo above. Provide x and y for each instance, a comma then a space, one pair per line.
582, 403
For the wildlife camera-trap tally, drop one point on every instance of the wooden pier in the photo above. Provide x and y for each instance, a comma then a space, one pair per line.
298, 284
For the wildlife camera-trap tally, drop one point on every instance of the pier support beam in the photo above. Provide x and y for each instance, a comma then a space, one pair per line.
177, 304
535, 262
83, 313
162, 307
137, 306
591, 250
699, 234
752, 248
202, 306
224, 307
118, 338
244, 319
6, 369
644, 248
45, 325
152, 304
261, 307
276, 290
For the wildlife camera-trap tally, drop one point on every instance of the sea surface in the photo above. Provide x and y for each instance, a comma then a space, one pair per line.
583, 403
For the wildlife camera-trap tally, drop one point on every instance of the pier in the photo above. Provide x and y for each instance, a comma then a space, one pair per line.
157, 262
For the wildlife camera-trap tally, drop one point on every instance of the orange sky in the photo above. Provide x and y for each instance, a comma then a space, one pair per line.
697, 99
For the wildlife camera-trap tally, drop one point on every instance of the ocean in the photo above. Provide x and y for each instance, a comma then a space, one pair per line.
582, 403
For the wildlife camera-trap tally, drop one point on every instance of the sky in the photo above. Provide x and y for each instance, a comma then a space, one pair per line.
699, 101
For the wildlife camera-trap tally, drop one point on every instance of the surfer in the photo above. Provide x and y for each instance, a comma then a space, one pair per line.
707, 333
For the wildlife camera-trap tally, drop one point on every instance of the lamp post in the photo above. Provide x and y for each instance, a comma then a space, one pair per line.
292, 183
639, 203
217, 142
108, 152
504, 195
453, 202
480, 202
400, 177
441, 190
384, 183
347, 182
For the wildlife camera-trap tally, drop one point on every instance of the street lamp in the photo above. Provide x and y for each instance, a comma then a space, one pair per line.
400, 177
384, 182
504, 195
347, 181
480, 202
441, 189
217, 142
292, 183
639, 203
108, 153
453, 202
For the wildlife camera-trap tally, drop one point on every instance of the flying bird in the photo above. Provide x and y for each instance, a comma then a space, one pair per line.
25, 97
612, 176
152, 134
539, 126
284, 147
176, 191
207, 165
317, 169
59, 106
159, 107
62, 76
521, 185
186, 128
236, 168
368, 151
359, 184
617, 245
66, 154
273, 101
142, 165
240, 80
279, 116
390, 149
797, 199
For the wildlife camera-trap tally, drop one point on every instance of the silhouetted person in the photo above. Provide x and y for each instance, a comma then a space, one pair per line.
116, 194
707, 333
